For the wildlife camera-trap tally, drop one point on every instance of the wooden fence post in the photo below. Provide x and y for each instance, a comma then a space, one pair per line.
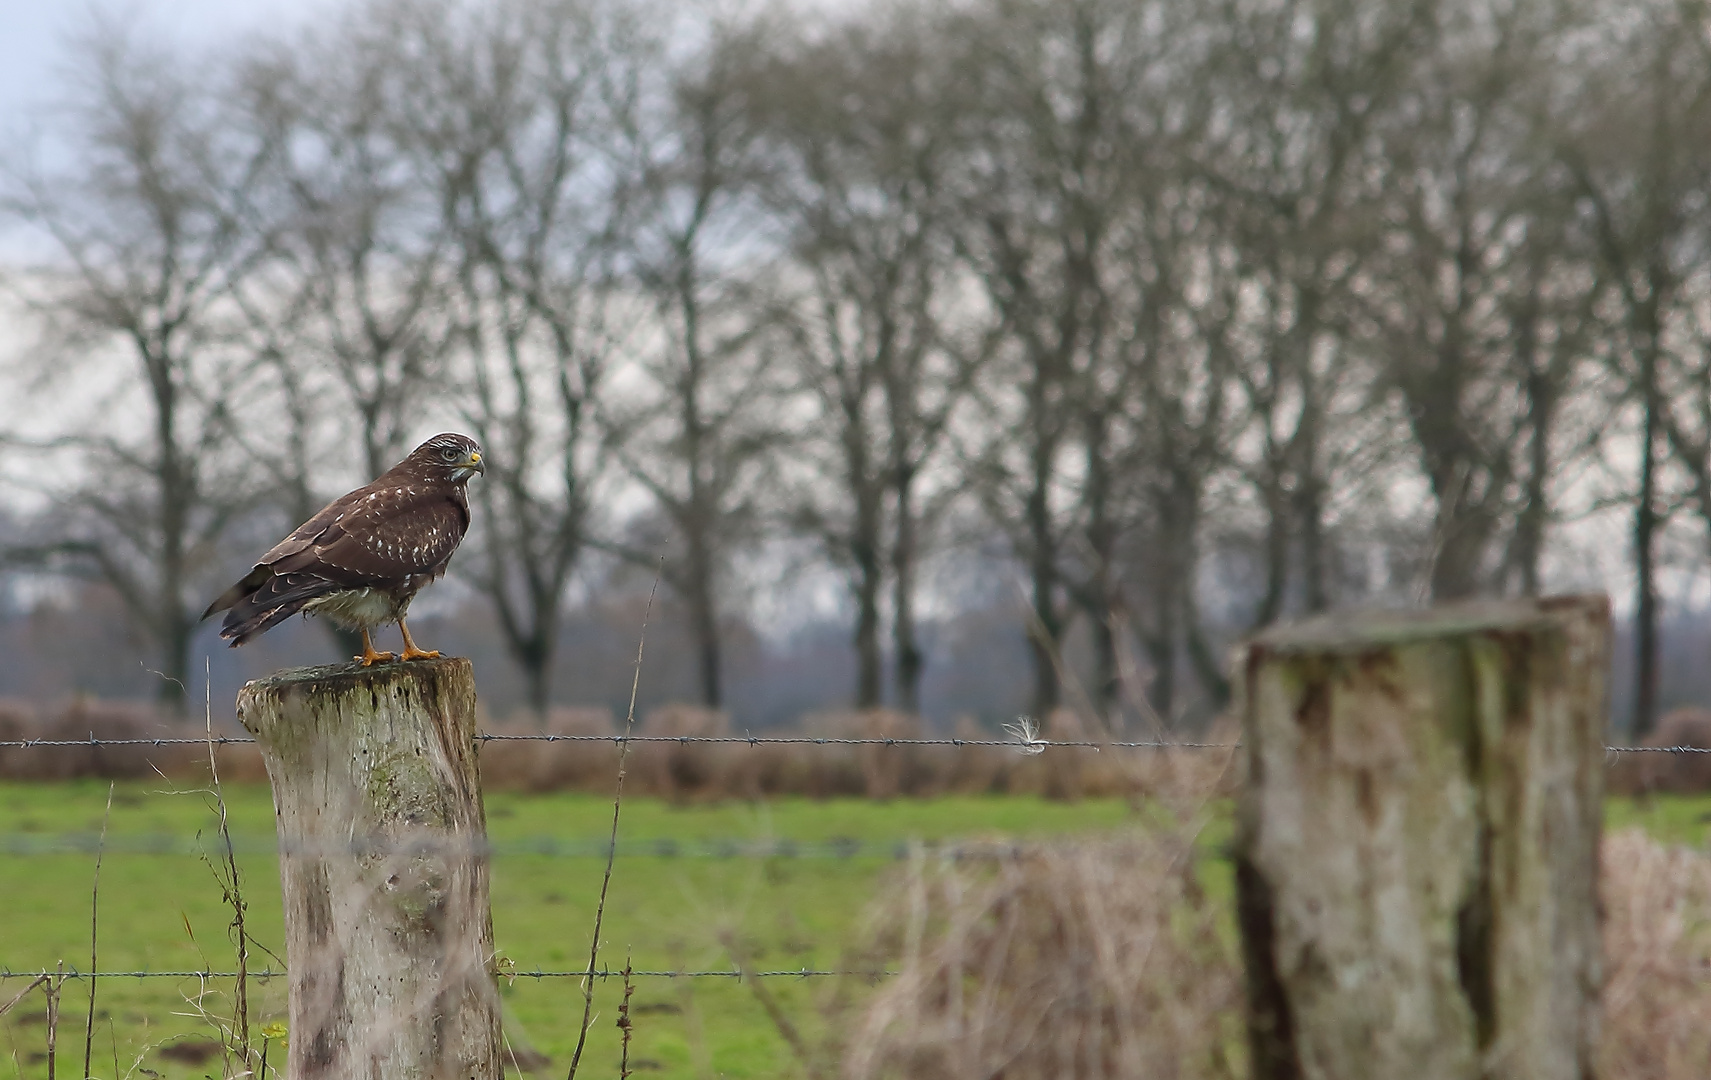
383, 863
1417, 842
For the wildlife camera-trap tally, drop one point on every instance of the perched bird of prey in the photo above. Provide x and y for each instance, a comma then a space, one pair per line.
361, 559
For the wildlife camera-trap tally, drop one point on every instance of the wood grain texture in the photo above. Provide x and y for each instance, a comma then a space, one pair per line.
384, 869
1417, 842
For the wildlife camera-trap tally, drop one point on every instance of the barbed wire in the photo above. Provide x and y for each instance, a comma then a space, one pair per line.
1028, 746
815, 740
1657, 749
31, 744
503, 971
40, 844
682, 740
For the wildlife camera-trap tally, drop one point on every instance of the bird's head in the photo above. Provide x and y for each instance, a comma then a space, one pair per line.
451, 456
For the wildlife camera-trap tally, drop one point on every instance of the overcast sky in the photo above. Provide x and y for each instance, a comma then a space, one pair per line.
33, 35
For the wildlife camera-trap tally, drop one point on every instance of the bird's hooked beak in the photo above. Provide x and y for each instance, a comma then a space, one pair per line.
470, 465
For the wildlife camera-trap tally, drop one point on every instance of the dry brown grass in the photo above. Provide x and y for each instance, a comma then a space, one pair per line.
549, 766
697, 772
83, 718
1657, 960
679, 772
1106, 959
1096, 959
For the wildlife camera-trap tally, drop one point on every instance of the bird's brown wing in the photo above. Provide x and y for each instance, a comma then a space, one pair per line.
381, 539
300, 540
376, 537
306, 534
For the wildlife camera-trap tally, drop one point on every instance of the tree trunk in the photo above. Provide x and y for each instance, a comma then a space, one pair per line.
537, 675
173, 690
706, 618
1417, 842
870, 661
1045, 634
383, 863
910, 660
1310, 498
1277, 519
1645, 549
1529, 542
1043, 639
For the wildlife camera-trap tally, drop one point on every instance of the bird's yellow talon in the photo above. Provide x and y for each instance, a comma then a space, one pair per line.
369, 657
410, 650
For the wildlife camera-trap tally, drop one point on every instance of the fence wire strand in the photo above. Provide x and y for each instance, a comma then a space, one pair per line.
1029, 746
682, 740
503, 972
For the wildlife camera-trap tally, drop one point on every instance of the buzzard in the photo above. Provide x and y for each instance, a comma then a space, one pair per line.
362, 558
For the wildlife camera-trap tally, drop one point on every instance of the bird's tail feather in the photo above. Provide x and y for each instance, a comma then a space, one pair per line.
235, 595
275, 600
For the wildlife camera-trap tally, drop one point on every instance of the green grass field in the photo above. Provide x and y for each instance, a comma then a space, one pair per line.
161, 910
797, 907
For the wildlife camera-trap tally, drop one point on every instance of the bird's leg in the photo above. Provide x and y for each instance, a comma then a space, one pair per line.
410, 650
369, 656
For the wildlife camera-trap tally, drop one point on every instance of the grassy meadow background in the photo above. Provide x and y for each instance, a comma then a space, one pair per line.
161, 909
785, 883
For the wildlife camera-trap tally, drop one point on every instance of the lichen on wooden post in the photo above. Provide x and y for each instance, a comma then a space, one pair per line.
1417, 841
384, 869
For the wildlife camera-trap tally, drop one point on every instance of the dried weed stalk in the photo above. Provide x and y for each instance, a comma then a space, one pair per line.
1098, 959
240, 1057
624, 1025
1657, 960
94, 936
52, 989
612, 845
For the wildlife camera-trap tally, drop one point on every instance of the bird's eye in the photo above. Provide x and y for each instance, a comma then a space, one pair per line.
449, 454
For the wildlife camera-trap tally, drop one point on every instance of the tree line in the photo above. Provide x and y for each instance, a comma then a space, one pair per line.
1199, 315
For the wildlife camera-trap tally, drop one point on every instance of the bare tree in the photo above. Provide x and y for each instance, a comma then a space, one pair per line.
1070, 144
861, 195
1632, 132
699, 442
1302, 84
1468, 238
526, 120
362, 254
148, 225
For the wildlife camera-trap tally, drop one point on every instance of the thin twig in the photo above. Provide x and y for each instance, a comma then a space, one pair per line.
94, 925
37, 981
52, 991
612, 848
624, 1024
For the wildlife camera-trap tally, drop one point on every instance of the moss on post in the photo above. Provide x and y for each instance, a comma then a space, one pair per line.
1417, 841
384, 869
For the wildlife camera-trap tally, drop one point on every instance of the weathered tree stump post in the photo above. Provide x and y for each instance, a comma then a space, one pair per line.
1417, 842
383, 862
